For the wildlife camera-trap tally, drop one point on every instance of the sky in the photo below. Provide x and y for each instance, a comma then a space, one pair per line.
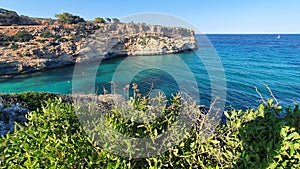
208, 16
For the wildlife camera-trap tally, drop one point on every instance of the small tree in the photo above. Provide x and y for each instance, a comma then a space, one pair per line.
99, 20
69, 18
108, 19
116, 20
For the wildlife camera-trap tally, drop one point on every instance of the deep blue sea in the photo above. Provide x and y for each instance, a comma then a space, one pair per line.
249, 61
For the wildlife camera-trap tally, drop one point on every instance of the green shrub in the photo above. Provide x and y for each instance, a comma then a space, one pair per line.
31, 100
69, 18
59, 40
108, 20
14, 46
53, 138
99, 20
116, 20
22, 36
4, 37
46, 34
143, 42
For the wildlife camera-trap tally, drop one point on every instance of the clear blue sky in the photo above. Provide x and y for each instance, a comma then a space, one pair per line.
209, 16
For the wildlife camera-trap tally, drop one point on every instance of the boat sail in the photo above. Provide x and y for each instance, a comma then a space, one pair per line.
278, 37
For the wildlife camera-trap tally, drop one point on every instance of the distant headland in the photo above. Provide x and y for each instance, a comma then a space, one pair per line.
30, 44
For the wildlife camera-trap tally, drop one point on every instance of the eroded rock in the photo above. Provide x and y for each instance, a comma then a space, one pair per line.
68, 44
11, 115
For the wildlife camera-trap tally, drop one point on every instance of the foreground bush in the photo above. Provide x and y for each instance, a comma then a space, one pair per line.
53, 138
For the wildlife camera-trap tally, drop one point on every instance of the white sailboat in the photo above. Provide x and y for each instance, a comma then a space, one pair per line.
278, 37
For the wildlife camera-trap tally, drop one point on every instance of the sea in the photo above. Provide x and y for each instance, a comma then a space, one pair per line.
249, 67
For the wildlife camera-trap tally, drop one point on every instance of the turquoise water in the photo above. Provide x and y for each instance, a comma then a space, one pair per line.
248, 61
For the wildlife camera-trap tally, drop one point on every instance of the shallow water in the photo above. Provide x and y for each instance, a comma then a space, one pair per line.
248, 61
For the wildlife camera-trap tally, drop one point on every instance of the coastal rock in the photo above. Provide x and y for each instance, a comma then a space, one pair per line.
136, 39
9, 68
10, 115
58, 45
3, 129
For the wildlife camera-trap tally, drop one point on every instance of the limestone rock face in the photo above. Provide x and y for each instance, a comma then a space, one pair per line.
59, 45
136, 39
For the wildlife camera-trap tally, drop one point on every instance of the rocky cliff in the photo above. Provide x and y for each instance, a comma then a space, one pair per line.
112, 40
38, 47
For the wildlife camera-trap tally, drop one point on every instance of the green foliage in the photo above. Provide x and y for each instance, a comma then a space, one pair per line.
99, 20
46, 34
4, 39
108, 19
32, 100
268, 135
53, 137
69, 18
14, 46
59, 40
116, 20
143, 41
23, 36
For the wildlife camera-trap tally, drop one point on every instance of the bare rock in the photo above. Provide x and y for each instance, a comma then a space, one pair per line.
11, 115
87, 42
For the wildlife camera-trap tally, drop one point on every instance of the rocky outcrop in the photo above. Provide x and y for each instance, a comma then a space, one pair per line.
112, 40
57, 45
11, 115
8, 18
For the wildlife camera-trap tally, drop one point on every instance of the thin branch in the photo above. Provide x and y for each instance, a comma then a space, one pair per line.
213, 103
262, 99
207, 114
113, 87
152, 86
271, 93
104, 90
